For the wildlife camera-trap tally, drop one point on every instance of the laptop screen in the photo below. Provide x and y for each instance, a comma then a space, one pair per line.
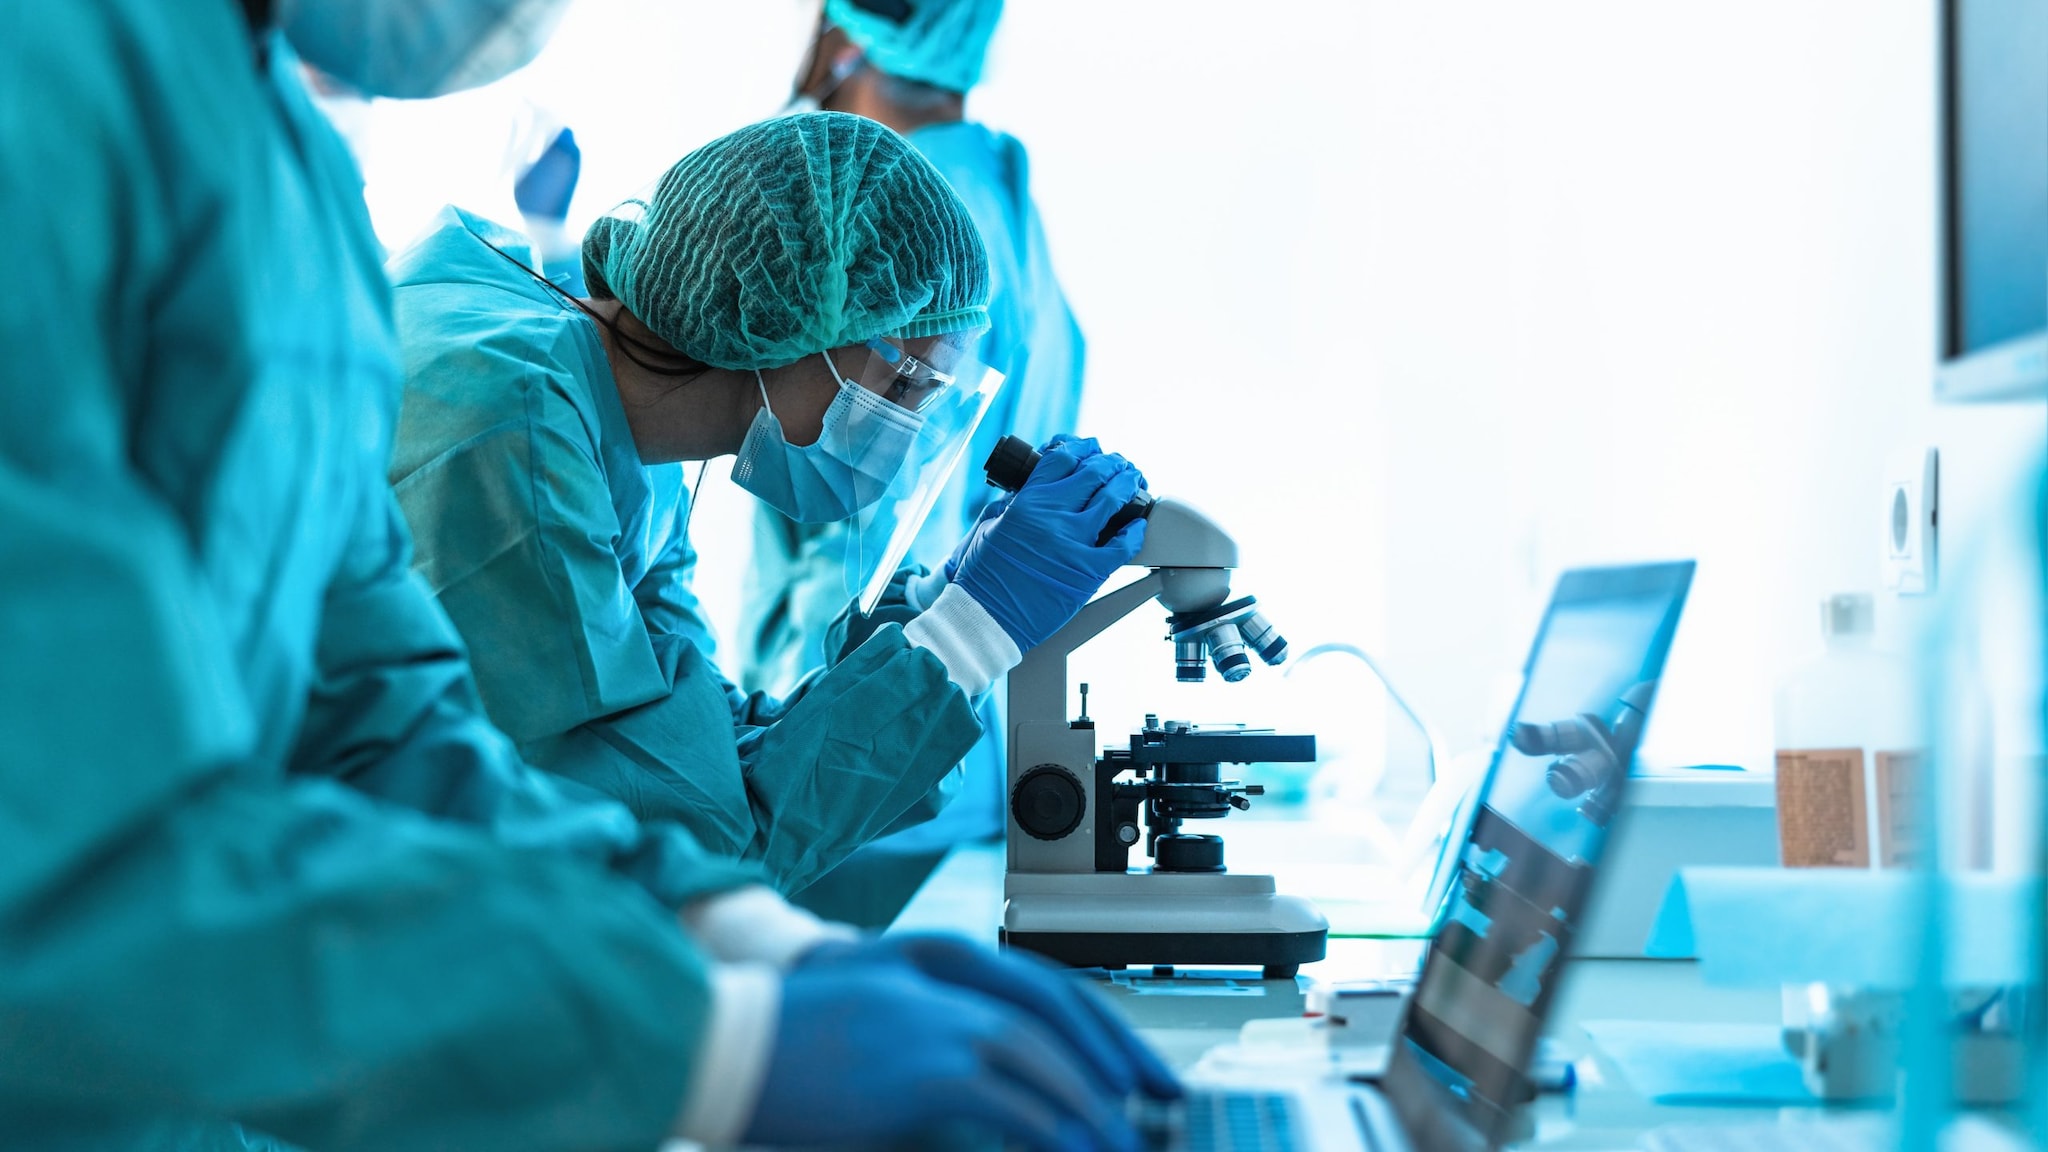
1459, 1065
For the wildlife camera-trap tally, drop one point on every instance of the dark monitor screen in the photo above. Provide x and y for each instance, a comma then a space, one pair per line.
1460, 1065
1995, 132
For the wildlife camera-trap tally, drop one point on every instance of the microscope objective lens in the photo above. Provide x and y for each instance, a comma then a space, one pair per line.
1263, 638
1226, 648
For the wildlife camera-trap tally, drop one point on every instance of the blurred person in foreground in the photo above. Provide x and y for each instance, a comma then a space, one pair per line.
269, 871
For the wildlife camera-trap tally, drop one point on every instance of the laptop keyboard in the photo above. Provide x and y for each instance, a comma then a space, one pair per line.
1223, 1122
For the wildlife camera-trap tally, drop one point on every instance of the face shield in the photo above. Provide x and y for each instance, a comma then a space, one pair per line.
950, 389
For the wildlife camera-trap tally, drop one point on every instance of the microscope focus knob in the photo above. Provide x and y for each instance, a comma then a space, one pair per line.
1048, 802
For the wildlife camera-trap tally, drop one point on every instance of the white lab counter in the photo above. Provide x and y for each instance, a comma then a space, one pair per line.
965, 895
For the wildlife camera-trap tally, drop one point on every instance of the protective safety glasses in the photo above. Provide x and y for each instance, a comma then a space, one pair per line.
951, 391
903, 379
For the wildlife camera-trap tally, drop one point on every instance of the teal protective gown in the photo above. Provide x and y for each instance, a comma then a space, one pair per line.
1034, 340
563, 561
262, 859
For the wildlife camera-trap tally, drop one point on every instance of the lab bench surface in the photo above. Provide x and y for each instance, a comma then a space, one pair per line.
964, 895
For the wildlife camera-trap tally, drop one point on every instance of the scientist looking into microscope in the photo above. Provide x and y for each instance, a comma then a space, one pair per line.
805, 292
911, 65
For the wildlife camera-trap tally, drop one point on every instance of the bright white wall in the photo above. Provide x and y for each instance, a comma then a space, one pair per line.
1559, 284
640, 81
1656, 280
1427, 302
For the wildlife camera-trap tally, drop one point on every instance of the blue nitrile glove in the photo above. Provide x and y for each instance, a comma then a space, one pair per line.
982, 521
1037, 564
1120, 1062
873, 1052
546, 188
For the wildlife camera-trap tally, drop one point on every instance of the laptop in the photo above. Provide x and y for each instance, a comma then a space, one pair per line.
1459, 1064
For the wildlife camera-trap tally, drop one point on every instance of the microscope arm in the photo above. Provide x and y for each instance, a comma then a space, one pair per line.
1038, 685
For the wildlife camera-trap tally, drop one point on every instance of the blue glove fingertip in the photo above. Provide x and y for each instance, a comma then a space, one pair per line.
1084, 486
1131, 538
1115, 491
1052, 468
1159, 1082
1062, 461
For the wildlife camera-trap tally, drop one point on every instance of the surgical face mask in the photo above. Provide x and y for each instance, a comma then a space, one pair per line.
861, 447
411, 49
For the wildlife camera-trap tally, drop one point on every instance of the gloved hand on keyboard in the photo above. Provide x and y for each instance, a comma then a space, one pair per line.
869, 1051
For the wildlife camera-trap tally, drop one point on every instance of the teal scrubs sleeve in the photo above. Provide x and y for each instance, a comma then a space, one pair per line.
191, 432
393, 712
563, 563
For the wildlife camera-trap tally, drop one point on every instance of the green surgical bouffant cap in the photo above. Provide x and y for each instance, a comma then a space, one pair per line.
938, 42
793, 236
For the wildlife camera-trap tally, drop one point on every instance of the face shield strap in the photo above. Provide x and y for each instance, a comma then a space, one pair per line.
696, 487
634, 350
627, 345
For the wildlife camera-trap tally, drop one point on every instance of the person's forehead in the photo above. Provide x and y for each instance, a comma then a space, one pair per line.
943, 352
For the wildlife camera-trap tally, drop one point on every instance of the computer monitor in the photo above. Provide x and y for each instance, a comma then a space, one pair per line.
1993, 318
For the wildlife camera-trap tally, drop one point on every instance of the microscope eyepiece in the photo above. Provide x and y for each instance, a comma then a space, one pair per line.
1010, 465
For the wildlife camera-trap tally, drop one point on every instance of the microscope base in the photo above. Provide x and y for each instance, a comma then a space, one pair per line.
1113, 920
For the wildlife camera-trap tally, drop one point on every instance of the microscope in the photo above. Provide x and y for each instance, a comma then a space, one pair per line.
1074, 817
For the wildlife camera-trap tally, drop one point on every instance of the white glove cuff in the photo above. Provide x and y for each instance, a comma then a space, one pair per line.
920, 591
753, 925
966, 639
732, 1061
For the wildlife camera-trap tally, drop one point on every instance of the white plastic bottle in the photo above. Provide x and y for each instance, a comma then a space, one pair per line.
1846, 728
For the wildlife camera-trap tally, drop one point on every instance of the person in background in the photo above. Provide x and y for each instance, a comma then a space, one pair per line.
910, 64
268, 871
